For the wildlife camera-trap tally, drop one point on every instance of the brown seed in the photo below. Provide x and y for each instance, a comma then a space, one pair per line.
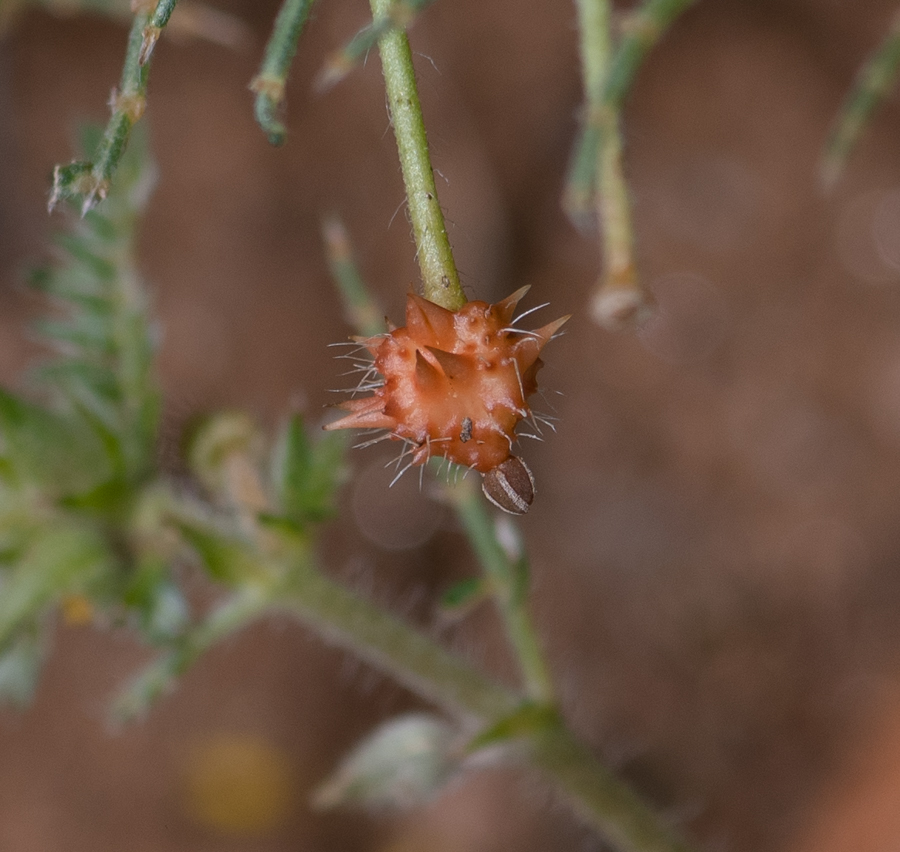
510, 486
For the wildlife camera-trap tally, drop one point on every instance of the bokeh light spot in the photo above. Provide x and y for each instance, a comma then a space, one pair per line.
238, 784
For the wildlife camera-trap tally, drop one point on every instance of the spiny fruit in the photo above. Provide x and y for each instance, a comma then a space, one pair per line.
455, 384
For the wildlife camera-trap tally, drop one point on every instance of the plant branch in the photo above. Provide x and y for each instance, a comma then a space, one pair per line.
597, 795
362, 312
154, 28
89, 181
874, 81
642, 30
597, 176
400, 15
269, 83
440, 279
286, 578
433, 673
508, 578
386, 642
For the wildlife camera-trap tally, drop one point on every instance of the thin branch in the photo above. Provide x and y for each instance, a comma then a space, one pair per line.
400, 16
154, 28
269, 83
249, 603
383, 640
597, 177
363, 313
507, 574
89, 181
417, 662
642, 30
875, 80
597, 796
440, 279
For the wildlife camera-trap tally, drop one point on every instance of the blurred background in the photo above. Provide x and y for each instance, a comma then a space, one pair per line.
716, 538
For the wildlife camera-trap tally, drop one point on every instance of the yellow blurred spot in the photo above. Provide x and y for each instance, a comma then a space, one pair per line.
238, 784
77, 610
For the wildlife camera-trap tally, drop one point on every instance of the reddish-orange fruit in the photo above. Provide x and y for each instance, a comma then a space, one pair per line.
456, 384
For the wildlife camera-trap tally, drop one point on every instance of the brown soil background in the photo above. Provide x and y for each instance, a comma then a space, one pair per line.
716, 539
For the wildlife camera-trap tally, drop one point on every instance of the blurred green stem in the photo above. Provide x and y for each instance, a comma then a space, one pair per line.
246, 605
440, 279
598, 176
269, 83
508, 577
597, 796
363, 314
386, 642
439, 676
875, 80
642, 30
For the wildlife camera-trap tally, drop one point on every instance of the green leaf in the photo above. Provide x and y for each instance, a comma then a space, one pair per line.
102, 227
306, 475
63, 558
49, 450
162, 609
100, 268
465, 594
69, 283
526, 720
88, 332
226, 559
107, 340
405, 762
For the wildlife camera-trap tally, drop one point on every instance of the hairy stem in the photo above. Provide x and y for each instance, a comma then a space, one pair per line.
440, 279
386, 642
597, 796
437, 675
508, 576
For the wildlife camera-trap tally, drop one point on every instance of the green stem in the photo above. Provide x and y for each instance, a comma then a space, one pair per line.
508, 577
598, 175
154, 28
643, 30
89, 181
436, 675
440, 279
363, 313
162, 13
619, 299
385, 641
594, 43
247, 604
269, 83
401, 15
875, 80
598, 796
287, 579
